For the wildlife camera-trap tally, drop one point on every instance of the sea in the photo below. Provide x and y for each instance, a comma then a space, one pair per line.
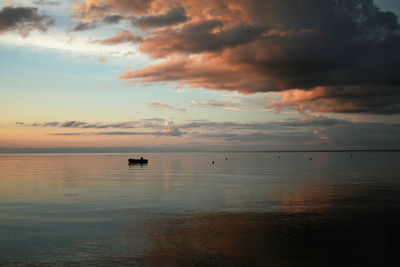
180, 209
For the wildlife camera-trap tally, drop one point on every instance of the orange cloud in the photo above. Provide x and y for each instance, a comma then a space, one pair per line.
198, 37
121, 37
200, 72
229, 11
322, 99
328, 56
92, 10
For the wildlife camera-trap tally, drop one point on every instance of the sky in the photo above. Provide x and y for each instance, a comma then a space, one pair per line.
213, 75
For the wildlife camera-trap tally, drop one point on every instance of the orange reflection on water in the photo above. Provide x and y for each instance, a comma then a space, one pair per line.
205, 238
311, 198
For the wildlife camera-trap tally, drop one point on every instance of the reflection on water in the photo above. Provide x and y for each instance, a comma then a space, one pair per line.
358, 229
250, 210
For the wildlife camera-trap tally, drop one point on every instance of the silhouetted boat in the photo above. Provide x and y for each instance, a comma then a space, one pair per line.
138, 161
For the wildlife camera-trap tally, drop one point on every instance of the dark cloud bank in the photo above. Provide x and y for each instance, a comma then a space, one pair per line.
340, 55
173, 16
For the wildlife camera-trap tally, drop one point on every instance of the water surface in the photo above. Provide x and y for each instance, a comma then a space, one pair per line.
253, 209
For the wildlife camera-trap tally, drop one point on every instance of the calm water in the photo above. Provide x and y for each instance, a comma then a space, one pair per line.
254, 209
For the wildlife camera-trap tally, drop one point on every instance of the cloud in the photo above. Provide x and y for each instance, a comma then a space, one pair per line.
228, 106
304, 122
101, 59
84, 125
320, 135
198, 37
91, 10
300, 132
211, 103
159, 123
51, 124
199, 72
121, 37
83, 26
173, 16
23, 20
160, 128
46, 3
112, 19
73, 124
159, 106
152, 123
334, 56
343, 134
367, 99
154, 119
259, 136
165, 133
365, 134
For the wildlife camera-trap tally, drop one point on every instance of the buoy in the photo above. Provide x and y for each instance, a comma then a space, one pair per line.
226, 158
213, 162
279, 157
351, 156
310, 158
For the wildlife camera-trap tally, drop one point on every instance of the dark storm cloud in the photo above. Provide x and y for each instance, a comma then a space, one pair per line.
350, 49
352, 99
23, 20
173, 16
198, 37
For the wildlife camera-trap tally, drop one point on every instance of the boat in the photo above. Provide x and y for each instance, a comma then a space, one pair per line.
138, 161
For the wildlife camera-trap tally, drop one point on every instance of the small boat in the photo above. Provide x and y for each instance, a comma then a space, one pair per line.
138, 161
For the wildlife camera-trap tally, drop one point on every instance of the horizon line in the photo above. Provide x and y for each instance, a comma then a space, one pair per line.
114, 150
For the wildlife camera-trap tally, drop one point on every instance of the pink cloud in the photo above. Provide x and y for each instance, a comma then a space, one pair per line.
159, 106
101, 59
121, 37
321, 99
200, 72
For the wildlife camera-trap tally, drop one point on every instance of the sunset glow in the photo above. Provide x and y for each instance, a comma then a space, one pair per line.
199, 75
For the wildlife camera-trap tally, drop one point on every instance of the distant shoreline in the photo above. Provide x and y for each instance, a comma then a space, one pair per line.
317, 151
98, 151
